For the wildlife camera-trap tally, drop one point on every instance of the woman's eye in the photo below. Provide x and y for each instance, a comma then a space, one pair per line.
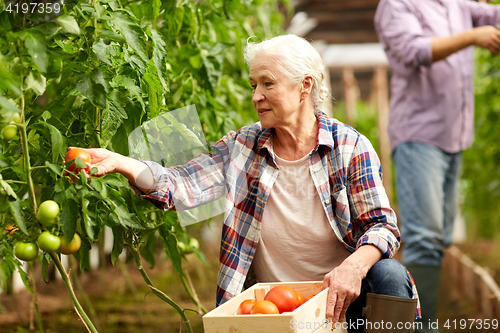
268, 84
254, 86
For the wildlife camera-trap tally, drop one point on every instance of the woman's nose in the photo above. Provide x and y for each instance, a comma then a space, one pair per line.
257, 96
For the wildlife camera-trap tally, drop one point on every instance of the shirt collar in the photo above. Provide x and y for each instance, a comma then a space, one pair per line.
323, 137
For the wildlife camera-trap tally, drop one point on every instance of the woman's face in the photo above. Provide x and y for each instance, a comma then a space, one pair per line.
275, 97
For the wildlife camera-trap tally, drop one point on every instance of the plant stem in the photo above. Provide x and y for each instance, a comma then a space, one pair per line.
188, 285
79, 310
158, 292
35, 298
26, 155
83, 294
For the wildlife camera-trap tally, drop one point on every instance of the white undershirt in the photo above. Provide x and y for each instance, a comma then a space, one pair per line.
296, 241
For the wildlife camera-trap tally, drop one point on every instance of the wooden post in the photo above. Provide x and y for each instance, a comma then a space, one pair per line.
351, 94
380, 80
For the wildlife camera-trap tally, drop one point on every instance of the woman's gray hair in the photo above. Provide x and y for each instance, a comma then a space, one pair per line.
297, 58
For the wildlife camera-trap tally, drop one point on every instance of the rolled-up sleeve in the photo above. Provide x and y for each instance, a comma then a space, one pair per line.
373, 220
483, 13
401, 35
198, 182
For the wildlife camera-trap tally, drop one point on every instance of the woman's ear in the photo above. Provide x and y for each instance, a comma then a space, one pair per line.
307, 85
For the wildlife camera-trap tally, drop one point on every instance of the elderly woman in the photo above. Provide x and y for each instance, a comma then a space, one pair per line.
303, 194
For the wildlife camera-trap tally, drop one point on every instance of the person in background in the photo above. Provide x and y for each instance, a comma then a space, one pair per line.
304, 194
429, 44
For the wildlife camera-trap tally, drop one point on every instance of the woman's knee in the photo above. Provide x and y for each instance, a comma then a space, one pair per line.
389, 277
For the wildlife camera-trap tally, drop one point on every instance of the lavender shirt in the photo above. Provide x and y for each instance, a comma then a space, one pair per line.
431, 102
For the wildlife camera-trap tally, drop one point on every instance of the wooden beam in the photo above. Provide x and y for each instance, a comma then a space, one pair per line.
339, 37
334, 5
351, 95
382, 91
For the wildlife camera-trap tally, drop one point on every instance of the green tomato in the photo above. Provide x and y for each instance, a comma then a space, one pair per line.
183, 248
47, 212
193, 243
17, 118
48, 242
9, 132
26, 251
70, 247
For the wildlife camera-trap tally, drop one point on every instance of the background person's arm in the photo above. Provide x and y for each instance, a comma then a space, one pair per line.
487, 37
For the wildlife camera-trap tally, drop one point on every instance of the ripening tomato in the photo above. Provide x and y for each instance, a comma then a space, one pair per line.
47, 212
264, 307
70, 247
245, 306
285, 298
72, 154
48, 242
26, 251
308, 298
301, 299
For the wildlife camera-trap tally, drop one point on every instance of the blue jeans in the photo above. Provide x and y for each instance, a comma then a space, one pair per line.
387, 277
426, 183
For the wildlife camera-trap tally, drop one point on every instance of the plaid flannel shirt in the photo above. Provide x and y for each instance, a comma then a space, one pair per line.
345, 169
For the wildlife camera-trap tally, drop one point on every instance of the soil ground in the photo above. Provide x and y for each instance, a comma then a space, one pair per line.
124, 304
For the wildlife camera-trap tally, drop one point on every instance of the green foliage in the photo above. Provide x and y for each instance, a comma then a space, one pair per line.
91, 77
481, 169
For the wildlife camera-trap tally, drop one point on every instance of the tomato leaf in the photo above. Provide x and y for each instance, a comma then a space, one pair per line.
93, 91
45, 267
131, 31
24, 276
68, 24
69, 214
159, 54
82, 255
170, 245
54, 168
148, 251
57, 142
37, 49
118, 240
36, 82
15, 208
112, 117
130, 85
120, 212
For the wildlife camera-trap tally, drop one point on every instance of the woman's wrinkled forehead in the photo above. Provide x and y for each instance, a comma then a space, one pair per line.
266, 65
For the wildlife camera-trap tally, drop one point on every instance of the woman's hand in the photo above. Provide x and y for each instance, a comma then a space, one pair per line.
104, 160
344, 281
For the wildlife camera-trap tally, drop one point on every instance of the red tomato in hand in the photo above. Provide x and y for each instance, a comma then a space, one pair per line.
264, 307
72, 154
285, 298
245, 306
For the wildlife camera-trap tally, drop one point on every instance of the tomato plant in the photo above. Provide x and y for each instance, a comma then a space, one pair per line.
245, 307
90, 79
26, 251
75, 153
285, 298
47, 212
264, 307
48, 242
70, 247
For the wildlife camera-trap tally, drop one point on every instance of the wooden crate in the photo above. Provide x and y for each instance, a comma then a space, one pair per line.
307, 318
